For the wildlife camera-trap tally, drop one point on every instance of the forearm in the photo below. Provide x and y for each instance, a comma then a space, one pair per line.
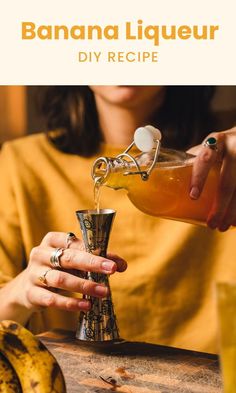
10, 300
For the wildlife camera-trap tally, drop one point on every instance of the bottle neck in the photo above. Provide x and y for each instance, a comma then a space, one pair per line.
123, 164
104, 166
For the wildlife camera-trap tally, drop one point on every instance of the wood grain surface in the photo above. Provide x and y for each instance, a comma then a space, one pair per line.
131, 367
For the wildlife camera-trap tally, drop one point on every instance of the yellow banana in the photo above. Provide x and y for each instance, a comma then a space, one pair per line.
9, 382
36, 368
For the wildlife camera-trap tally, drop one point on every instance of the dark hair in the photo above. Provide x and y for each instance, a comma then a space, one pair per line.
184, 118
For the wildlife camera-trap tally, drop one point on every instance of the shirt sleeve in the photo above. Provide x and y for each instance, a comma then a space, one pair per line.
12, 258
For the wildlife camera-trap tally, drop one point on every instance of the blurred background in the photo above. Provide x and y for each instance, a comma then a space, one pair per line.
19, 115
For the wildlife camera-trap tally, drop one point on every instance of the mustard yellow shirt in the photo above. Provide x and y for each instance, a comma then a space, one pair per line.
166, 296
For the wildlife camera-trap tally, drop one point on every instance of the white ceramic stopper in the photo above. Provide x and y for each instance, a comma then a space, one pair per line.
145, 138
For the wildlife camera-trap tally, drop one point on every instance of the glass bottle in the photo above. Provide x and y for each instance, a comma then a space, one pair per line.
158, 179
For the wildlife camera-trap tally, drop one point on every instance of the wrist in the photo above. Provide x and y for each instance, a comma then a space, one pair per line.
13, 306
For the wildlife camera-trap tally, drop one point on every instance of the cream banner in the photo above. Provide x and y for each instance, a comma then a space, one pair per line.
118, 42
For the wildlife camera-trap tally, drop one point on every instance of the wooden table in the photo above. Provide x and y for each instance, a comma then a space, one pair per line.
132, 367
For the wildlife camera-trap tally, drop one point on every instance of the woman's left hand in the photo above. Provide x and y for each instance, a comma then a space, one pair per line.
223, 212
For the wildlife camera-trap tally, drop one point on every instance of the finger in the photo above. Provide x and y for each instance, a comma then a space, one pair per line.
58, 239
74, 259
229, 217
42, 297
201, 167
225, 193
120, 262
63, 280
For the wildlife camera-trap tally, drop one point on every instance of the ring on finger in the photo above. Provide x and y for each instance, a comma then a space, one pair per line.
43, 278
55, 257
70, 236
211, 143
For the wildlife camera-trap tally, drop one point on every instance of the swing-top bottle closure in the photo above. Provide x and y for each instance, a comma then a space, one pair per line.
147, 139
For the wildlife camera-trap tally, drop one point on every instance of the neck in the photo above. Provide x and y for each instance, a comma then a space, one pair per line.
118, 123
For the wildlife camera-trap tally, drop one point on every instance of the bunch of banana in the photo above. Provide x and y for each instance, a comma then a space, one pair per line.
26, 365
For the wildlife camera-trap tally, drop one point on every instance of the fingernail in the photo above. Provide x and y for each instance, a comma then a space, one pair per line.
194, 193
100, 290
108, 266
84, 304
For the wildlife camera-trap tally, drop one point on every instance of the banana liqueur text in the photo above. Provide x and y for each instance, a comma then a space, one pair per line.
128, 31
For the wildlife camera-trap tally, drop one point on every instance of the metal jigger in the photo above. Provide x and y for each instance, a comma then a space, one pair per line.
99, 323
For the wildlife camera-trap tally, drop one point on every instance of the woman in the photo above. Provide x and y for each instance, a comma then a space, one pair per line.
165, 295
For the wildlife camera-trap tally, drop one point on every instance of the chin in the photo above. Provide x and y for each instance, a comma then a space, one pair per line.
126, 93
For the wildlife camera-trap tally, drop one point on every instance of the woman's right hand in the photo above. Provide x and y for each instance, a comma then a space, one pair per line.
74, 261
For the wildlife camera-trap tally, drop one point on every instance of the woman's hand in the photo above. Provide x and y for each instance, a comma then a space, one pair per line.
74, 261
223, 212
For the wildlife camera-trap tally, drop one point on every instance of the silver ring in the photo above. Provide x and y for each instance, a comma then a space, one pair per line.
211, 143
55, 257
43, 279
70, 236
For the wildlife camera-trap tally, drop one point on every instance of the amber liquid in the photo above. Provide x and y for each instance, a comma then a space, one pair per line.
166, 193
97, 193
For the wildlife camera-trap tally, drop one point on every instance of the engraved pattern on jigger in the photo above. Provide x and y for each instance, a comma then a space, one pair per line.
99, 323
